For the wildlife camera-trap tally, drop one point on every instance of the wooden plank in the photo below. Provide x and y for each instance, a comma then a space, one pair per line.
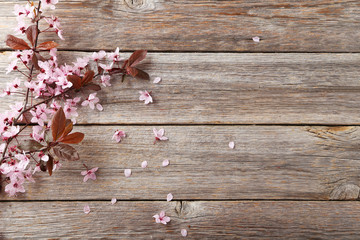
230, 89
268, 162
202, 25
204, 220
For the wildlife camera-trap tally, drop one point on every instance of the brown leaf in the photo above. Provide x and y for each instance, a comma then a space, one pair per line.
142, 75
31, 34
47, 45
68, 127
29, 145
16, 43
136, 57
73, 138
75, 80
132, 71
88, 77
50, 164
58, 124
35, 62
66, 152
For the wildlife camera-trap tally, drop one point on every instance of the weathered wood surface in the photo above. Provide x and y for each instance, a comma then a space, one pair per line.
268, 162
230, 88
204, 220
183, 25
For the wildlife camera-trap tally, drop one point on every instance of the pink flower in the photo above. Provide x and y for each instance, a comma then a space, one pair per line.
92, 101
165, 163
28, 175
105, 80
145, 96
57, 165
118, 135
49, 3
256, 39
11, 132
157, 80
98, 56
113, 201
89, 174
161, 218
169, 197
14, 187
144, 164
106, 68
183, 232
159, 135
127, 172
231, 145
86, 209
115, 56
12, 66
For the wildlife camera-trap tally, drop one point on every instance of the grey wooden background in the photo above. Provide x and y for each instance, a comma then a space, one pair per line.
290, 103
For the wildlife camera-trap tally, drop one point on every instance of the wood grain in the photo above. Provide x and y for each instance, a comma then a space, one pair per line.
202, 25
268, 162
226, 88
203, 220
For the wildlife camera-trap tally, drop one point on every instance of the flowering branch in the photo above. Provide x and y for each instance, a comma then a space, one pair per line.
55, 91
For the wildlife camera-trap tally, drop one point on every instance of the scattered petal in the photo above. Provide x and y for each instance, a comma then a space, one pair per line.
231, 145
183, 232
161, 218
86, 209
127, 172
144, 164
169, 197
165, 163
157, 80
256, 39
113, 201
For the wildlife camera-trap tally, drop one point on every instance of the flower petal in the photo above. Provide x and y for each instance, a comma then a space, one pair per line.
231, 145
256, 39
157, 80
113, 201
165, 163
127, 172
86, 209
183, 232
144, 164
169, 197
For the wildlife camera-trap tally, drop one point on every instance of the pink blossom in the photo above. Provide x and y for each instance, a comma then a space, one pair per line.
157, 80
70, 112
12, 131
161, 218
256, 39
165, 163
38, 116
96, 56
118, 135
28, 175
144, 164
74, 101
127, 172
43, 156
86, 209
38, 133
14, 187
57, 165
81, 63
105, 80
92, 101
231, 145
37, 169
183, 232
113, 201
159, 135
89, 174
49, 3
145, 96
106, 68
12, 66
114, 56
21, 27
169, 197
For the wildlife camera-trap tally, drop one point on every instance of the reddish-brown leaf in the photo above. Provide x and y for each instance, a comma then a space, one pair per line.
68, 127
50, 164
75, 80
31, 34
136, 57
66, 152
132, 71
47, 45
88, 77
58, 124
16, 43
73, 138
92, 86
142, 75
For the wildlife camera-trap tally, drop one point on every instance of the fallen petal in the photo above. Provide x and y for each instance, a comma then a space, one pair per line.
165, 163
113, 201
86, 209
127, 172
183, 232
256, 39
157, 80
169, 197
144, 164
231, 145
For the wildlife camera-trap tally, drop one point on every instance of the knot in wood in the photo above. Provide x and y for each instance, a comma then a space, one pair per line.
345, 192
140, 5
